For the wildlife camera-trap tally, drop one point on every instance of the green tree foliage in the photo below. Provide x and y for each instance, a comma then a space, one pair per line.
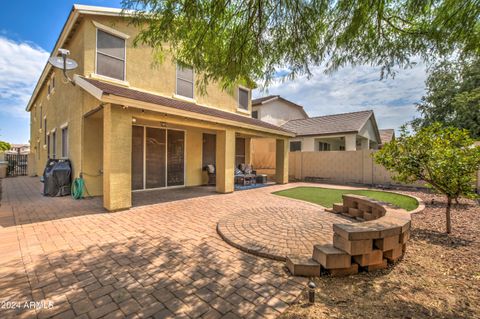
231, 41
453, 96
4, 146
444, 157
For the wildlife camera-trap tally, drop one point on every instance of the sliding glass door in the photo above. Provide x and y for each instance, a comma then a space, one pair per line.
176, 158
158, 157
155, 157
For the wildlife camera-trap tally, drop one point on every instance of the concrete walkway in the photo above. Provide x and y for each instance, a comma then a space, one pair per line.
162, 258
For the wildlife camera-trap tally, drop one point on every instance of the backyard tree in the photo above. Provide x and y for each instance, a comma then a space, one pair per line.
4, 146
231, 41
444, 157
453, 96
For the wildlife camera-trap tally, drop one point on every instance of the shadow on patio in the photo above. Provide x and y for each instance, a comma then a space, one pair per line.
150, 276
22, 201
158, 196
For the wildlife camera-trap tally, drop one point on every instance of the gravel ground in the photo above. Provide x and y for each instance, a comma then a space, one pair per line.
439, 276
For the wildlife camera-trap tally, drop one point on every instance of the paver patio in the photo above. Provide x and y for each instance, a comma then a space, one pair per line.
162, 258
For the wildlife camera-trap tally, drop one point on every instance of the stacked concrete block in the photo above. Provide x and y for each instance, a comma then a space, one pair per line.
371, 244
303, 266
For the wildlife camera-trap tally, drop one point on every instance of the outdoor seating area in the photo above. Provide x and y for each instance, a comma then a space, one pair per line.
379, 237
244, 177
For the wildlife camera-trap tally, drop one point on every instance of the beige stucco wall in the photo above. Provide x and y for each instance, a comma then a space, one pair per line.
278, 112
92, 153
63, 106
144, 73
339, 167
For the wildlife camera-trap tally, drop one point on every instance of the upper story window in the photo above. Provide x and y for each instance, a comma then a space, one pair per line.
185, 81
255, 114
110, 55
243, 96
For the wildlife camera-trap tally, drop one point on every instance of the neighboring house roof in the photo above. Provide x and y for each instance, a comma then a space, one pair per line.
386, 135
332, 124
100, 89
270, 98
19, 145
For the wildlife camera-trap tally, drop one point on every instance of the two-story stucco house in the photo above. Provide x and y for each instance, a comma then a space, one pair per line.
130, 125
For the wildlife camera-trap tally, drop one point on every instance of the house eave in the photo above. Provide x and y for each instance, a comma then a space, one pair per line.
114, 99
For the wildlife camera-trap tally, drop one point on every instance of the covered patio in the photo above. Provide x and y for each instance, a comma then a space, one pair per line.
136, 141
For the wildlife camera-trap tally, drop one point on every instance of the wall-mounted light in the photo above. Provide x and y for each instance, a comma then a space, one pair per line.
134, 120
163, 124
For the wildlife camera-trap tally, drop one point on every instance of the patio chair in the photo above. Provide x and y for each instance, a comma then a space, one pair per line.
212, 174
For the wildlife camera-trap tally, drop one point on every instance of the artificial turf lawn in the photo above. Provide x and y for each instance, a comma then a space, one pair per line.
327, 196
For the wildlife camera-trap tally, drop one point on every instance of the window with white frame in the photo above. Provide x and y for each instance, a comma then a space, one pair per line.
45, 135
65, 142
54, 144
185, 81
243, 96
48, 145
110, 55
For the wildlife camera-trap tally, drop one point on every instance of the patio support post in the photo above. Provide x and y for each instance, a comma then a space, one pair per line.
365, 144
225, 161
281, 167
351, 142
117, 155
248, 150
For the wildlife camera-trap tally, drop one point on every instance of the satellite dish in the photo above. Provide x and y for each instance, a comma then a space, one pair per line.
63, 63
57, 61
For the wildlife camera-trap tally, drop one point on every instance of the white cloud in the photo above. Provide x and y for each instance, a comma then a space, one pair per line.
21, 64
355, 89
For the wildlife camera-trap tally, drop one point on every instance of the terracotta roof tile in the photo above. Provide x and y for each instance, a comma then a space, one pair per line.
329, 124
386, 135
120, 91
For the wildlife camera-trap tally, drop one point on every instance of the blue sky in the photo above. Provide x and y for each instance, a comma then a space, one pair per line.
29, 29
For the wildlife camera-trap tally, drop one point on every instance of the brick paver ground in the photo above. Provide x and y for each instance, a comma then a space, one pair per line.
277, 231
161, 260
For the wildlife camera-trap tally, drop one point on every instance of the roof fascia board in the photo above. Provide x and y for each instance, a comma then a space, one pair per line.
328, 134
87, 86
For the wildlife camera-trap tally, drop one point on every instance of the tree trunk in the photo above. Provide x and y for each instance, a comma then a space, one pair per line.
449, 221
